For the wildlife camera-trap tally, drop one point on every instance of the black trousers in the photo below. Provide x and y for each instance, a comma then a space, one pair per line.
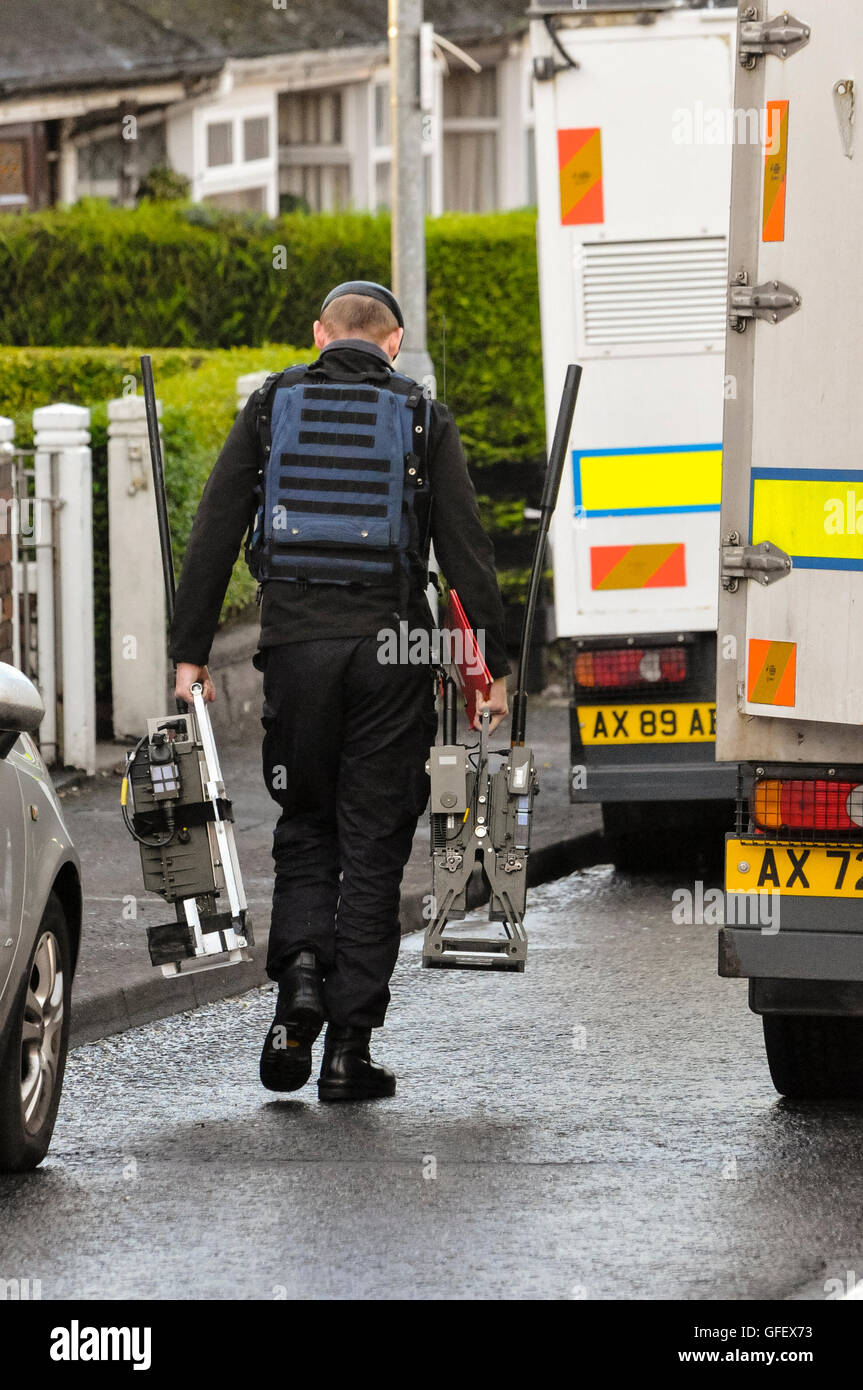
345, 745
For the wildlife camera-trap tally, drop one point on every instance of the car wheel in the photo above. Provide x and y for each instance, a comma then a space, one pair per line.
34, 1053
815, 1056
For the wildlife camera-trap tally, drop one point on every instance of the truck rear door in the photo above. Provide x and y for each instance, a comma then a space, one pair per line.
790, 664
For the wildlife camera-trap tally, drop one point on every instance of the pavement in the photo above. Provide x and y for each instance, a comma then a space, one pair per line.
117, 988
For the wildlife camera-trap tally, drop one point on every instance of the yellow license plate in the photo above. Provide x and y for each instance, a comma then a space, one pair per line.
619, 725
816, 871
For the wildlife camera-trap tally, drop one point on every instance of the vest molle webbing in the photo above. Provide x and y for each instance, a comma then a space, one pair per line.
339, 481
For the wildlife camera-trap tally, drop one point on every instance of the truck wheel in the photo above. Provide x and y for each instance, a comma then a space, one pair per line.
33, 1057
631, 847
815, 1056
652, 836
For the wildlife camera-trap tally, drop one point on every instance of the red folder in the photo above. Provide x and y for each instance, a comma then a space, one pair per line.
471, 672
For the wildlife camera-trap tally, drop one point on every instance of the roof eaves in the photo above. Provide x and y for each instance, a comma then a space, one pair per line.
111, 77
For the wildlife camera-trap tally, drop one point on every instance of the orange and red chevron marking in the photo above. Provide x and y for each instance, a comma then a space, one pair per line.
579, 154
771, 672
775, 172
638, 566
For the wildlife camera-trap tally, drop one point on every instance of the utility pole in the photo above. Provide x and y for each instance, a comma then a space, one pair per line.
408, 187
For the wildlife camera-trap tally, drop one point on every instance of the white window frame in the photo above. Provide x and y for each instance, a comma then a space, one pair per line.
478, 125
241, 174
528, 123
432, 147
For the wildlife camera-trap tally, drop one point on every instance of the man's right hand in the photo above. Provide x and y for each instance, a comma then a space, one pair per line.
187, 676
497, 705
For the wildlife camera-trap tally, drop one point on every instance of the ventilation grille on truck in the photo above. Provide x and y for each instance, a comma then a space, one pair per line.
654, 291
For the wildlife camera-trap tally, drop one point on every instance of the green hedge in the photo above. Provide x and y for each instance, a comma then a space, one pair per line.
192, 277
30, 377
200, 283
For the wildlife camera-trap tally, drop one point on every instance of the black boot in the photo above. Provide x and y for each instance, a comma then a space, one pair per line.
348, 1072
286, 1061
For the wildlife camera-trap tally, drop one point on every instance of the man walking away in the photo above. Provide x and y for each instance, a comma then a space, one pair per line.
343, 472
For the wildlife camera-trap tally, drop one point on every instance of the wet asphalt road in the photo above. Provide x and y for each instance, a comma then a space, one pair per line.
603, 1126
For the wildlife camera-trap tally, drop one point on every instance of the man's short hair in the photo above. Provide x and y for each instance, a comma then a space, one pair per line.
358, 316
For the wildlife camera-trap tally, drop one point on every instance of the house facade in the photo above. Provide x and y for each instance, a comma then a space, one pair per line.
293, 112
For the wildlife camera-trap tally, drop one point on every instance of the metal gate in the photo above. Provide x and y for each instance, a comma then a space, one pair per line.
36, 637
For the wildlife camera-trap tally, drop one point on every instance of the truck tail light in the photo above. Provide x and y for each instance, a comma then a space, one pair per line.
807, 804
629, 666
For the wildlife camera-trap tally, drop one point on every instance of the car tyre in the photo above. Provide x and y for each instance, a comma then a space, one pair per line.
33, 1052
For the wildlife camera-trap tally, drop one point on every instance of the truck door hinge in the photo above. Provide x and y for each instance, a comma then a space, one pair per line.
764, 562
772, 301
781, 36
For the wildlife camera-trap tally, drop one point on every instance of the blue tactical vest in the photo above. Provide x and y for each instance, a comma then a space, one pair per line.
343, 462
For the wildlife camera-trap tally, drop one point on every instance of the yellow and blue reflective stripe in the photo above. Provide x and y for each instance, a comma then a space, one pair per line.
789, 506
653, 481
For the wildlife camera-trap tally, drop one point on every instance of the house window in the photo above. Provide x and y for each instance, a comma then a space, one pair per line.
241, 200
383, 124
310, 118
314, 151
256, 138
530, 165
111, 167
382, 151
382, 154
220, 143
322, 187
471, 128
383, 184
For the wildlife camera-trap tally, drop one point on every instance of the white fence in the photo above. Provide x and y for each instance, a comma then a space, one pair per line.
50, 523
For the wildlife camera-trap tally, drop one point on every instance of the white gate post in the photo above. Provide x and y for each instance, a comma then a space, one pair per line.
47, 643
64, 431
139, 662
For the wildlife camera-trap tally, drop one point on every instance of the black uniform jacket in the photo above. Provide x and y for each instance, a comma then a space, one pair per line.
292, 612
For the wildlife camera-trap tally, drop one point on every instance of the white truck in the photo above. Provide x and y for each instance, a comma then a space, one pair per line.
633, 131
790, 640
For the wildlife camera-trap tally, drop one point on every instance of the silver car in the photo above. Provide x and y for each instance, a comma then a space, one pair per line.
40, 931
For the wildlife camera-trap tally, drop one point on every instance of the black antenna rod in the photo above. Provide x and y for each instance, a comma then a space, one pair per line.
553, 474
160, 493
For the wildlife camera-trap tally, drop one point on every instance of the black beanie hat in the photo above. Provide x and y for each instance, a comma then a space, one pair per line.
371, 291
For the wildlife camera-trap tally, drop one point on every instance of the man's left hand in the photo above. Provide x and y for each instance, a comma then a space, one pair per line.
187, 675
